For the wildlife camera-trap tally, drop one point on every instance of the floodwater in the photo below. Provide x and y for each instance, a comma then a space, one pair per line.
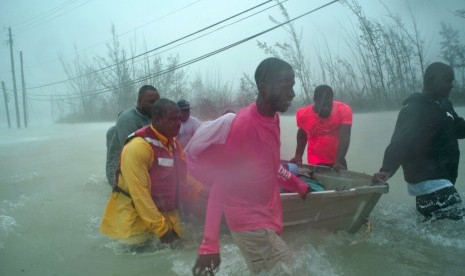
53, 192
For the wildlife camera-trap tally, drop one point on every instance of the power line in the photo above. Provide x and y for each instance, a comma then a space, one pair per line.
152, 50
44, 14
159, 18
162, 72
119, 35
217, 29
34, 25
42, 18
189, 62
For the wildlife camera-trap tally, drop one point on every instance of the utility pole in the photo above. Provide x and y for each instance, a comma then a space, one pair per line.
51, 104
5, 97
18, 123
24, 89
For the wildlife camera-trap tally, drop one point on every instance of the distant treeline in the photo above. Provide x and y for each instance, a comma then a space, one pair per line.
385, 64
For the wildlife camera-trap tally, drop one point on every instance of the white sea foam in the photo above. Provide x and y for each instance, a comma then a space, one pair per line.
23, 176
7, 206
7, 225
93, 179
12, 140
181, 267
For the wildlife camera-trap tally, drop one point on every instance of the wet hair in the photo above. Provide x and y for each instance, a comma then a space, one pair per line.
321, 91
435, 70
269, 69
144, 90
160, 107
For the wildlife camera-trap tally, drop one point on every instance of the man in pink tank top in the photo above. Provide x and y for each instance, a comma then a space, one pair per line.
325, 126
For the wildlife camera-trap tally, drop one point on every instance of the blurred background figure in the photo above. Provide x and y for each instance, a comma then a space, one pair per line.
189, 124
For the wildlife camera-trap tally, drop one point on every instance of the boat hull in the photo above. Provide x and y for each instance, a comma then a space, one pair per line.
344, 205
345, 210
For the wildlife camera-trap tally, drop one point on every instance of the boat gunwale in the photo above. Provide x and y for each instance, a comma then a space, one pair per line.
379, 189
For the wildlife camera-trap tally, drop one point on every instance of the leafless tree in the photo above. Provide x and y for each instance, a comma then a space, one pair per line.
247, 91
370, 38
460, 13
212, 96
117, 76
453, 51
291, 52
82, 84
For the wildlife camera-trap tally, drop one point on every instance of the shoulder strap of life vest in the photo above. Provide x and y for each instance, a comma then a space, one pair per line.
116, 188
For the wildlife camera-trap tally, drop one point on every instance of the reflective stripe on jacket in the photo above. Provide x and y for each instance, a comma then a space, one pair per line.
166, 172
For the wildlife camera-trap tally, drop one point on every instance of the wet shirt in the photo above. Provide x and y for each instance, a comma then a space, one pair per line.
187, 130
323, 133
247, 194
128, 122
425, 140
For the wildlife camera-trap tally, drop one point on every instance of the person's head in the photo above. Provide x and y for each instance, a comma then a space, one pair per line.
323, 98
185, 108
145, 99
166, 117
437, 81
275, 81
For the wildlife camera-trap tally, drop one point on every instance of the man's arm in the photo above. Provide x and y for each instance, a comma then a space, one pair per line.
209, 251
291, 182
210, 242
404, 135
301, 144
344, 142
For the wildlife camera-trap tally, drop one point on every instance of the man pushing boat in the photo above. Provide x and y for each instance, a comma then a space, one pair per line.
247, 190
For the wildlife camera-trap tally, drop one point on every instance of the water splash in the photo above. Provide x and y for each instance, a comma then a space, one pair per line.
7, 225
8, 206
93, 179
23, 176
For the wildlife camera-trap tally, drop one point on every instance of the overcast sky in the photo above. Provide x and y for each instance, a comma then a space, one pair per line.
45, 29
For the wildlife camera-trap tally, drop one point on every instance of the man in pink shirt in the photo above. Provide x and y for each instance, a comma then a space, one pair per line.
326, 126
247, 192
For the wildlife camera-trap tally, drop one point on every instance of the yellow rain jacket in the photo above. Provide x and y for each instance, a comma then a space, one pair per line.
127, 217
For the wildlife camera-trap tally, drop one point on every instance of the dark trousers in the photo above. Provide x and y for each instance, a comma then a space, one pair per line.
442, 204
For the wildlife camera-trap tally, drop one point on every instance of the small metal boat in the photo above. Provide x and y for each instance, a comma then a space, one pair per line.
345, 203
